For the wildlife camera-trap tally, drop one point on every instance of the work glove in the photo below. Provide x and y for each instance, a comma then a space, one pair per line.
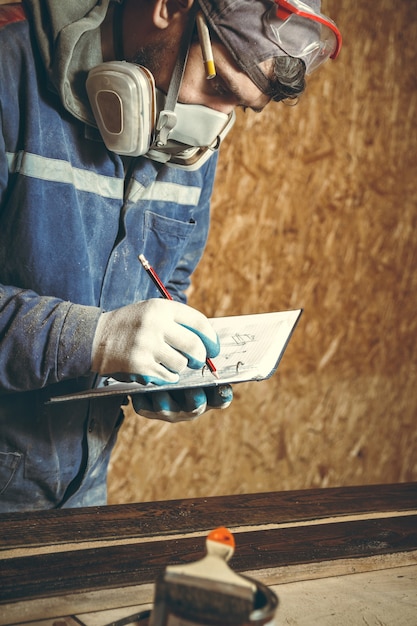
181, 405
152, 341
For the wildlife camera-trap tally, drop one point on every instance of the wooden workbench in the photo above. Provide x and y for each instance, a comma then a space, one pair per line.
333, 556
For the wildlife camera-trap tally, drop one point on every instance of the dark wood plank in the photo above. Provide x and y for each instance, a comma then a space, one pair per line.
189, 515
118, 566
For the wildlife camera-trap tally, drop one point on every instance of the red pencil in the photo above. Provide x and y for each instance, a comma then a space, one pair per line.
165, 293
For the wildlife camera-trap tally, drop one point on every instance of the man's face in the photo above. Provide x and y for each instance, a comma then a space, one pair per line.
230, 88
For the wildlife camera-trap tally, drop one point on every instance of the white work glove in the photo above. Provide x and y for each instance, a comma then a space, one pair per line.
182, 405
152, 341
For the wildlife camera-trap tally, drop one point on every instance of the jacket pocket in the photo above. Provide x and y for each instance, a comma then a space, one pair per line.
9, 462
165, 241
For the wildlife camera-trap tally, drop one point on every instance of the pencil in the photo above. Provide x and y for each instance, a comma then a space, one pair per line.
205, 43
165, 294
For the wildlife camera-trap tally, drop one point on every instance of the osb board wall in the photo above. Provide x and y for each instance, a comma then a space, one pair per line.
314, 207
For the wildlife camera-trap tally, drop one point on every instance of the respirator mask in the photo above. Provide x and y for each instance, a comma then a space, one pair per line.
136, 119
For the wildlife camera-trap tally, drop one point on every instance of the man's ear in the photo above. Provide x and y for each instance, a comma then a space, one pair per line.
165, 11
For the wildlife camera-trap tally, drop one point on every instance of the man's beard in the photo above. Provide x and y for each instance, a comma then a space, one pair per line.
150, 57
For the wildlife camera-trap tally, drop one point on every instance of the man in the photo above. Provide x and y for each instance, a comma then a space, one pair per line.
77, 207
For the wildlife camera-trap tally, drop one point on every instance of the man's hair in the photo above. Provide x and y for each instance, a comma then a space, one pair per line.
288, 80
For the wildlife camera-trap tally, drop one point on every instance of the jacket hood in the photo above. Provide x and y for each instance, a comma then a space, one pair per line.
68, 36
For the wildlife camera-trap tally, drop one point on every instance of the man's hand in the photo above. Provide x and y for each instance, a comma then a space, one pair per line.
182, 405
153, 341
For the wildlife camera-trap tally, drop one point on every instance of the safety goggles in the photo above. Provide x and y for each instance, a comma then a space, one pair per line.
320, 39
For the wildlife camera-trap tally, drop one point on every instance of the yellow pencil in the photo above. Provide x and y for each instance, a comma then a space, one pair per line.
205, 43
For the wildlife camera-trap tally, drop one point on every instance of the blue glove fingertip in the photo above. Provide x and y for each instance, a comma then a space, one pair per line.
212, 347
163, 402
194, 398
193, 363
141, 402
219, 397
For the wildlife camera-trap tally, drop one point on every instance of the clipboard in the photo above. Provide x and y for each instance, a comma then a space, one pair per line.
251, 348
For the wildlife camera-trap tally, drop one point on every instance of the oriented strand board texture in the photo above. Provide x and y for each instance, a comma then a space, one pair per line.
315, 206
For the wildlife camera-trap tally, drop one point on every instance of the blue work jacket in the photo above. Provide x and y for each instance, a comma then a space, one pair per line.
73, 219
